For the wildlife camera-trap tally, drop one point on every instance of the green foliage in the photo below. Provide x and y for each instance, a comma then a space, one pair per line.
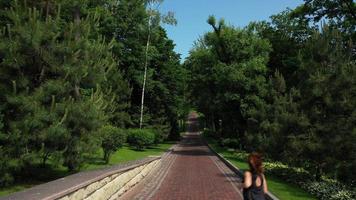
329, 102
163, 103
340, 14
310, 131
230, 143
307, 124
278, 186
94, 161
208, 133
112, 138
228, 69
69, 68
285, 87
303, 110
322, 189
287, 36
161, 133
6, 177
140, 138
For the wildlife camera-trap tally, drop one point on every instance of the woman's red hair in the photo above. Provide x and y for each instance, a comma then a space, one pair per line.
255, 162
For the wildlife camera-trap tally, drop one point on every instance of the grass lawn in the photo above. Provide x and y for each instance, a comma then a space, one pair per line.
281, 189
124, 154
15, 188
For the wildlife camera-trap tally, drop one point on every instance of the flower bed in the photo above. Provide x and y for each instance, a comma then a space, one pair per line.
323, 189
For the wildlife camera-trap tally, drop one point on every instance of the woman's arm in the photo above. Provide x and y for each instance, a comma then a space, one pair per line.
247, 179
265, 188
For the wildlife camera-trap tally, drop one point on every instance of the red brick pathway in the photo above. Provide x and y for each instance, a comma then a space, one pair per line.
190, 172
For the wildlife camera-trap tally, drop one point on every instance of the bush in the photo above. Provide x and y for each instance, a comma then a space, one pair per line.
208, 133
230, 143
140, 138
289, 174
6, 177
159, 136
328, 189
113, 138
323, 189
160, 132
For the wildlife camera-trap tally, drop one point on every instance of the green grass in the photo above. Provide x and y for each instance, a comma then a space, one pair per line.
95, 161
15, 188
286, 190
125, 154
281, 189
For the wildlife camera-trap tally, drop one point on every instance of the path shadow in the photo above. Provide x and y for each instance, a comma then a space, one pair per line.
194, 152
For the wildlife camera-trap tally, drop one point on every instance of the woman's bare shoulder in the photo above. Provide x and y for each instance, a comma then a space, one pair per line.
247, 173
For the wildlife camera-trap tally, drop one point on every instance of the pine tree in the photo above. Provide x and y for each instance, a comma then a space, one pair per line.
329, 101
56, 69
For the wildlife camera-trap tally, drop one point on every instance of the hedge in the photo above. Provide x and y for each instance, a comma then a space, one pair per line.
141, 138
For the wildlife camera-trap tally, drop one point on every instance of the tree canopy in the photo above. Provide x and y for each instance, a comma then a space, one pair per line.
72, 68
284, 87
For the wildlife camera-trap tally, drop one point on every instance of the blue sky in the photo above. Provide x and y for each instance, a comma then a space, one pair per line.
192, 16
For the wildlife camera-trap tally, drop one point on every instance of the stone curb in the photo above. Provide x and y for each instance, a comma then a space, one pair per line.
239, 172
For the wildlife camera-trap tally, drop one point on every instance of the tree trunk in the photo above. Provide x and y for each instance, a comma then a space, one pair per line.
42, 74
213, 128
77, 91
77, 36
44, 159
145, 73
106, 157
47, 9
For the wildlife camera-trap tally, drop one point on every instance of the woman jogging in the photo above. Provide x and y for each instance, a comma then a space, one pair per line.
255, 184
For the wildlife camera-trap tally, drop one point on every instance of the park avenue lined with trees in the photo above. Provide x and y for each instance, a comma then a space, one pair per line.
91, 77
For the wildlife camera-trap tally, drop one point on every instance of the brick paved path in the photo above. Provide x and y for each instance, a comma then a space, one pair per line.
190, 172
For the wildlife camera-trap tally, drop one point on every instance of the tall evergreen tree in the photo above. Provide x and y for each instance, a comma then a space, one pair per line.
56, 68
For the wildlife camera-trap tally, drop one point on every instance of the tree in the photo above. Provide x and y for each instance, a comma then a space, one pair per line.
165, 76
154, 18
297, 107
55, 70
329, 98
165, 87
287, 36
229, 67
339, 14
68, 68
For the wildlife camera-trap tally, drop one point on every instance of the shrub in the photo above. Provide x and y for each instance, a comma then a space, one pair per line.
160, 132
230, 143
208, 133
113, 138
141, 138
289, 174
322, 189
6, 177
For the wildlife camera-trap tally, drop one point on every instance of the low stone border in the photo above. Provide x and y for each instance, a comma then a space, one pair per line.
239, 172
108, 183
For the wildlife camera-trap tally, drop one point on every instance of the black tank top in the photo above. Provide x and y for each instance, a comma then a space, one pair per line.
254, 192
